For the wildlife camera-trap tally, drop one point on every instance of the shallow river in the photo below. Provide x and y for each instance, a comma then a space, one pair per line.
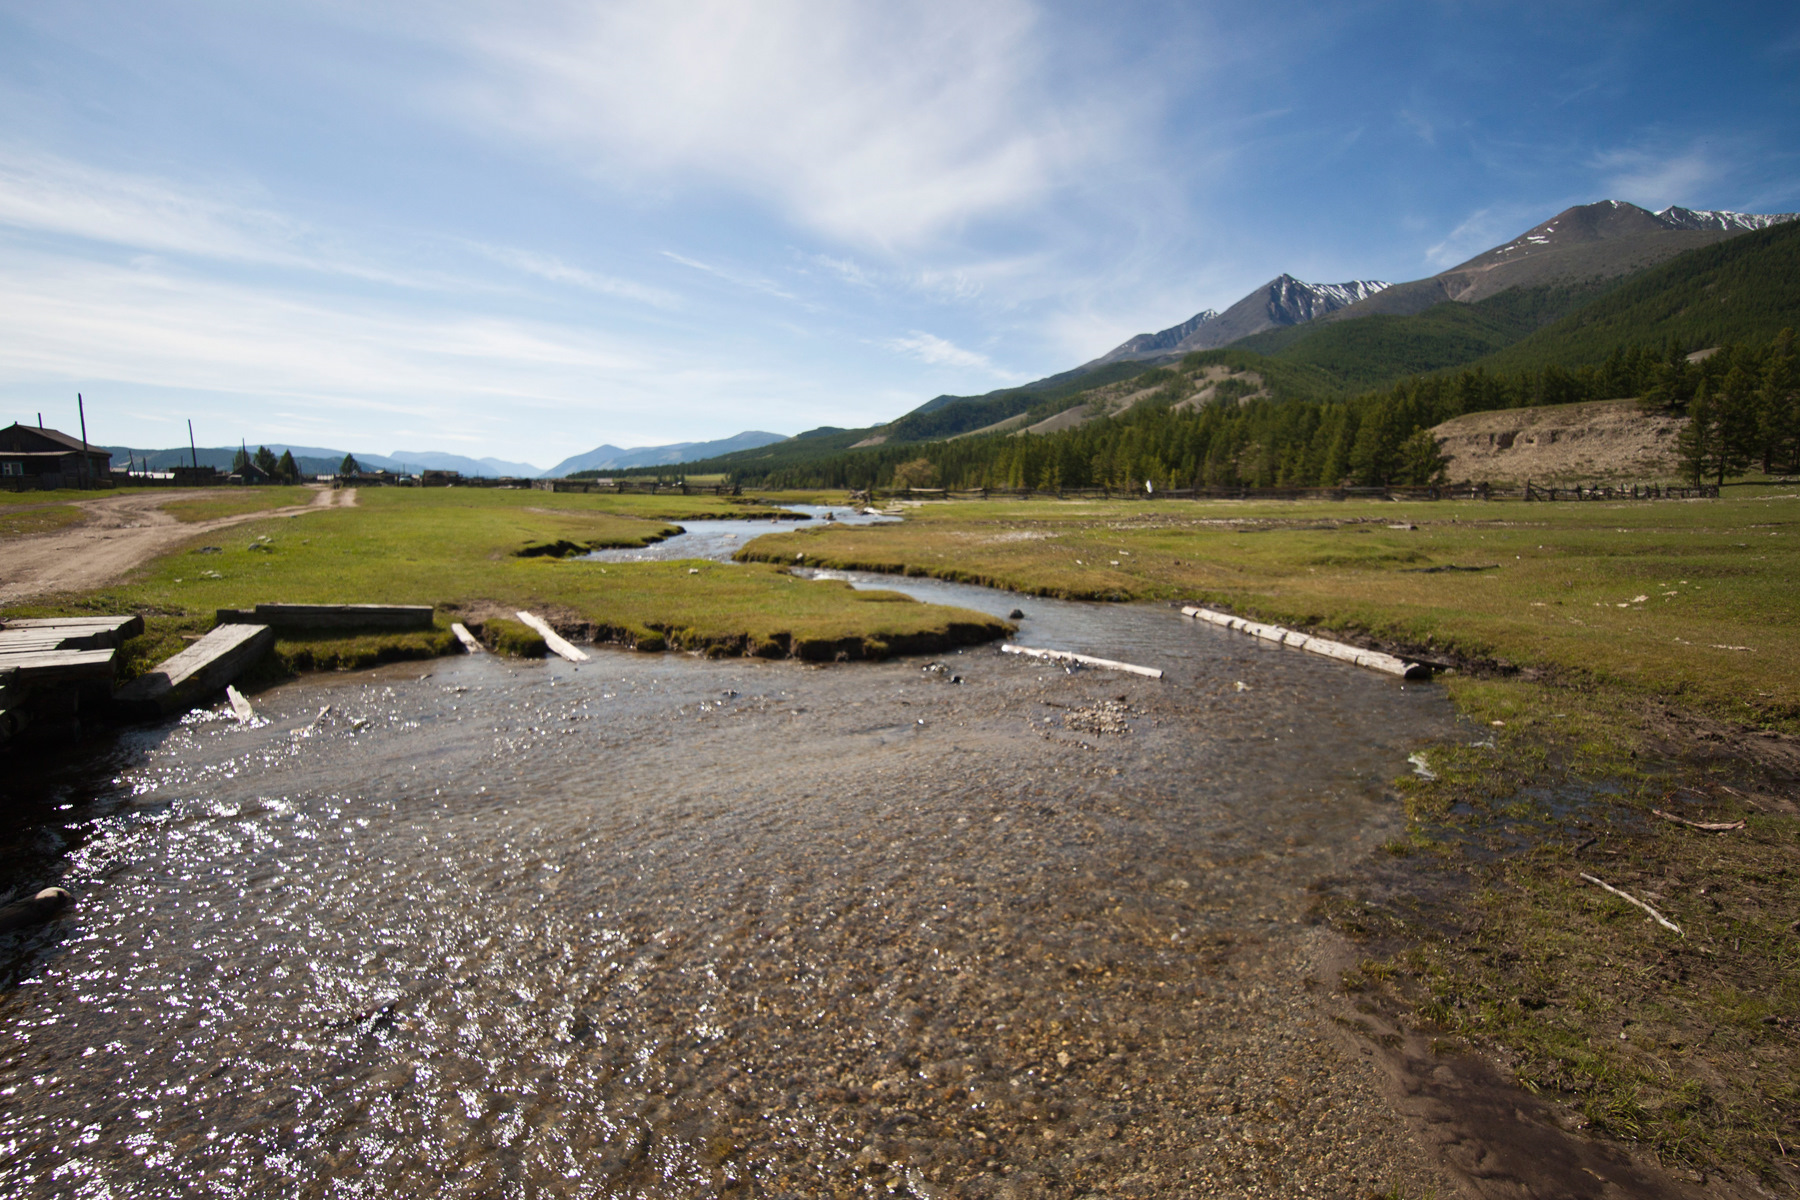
719, 540
659, 926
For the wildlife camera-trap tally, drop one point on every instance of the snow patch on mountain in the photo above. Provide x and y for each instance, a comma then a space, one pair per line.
1677, 217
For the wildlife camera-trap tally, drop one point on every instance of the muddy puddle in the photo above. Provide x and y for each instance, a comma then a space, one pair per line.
658, 926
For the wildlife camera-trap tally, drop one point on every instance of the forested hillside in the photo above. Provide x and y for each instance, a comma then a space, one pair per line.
1352, 401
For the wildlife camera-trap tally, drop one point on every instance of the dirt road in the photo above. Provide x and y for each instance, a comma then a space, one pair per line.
120, 533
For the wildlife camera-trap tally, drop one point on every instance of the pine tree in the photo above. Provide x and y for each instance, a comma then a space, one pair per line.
265, 460
1778, 407
1736, 417
1697, 443
287, 469
1421, 463
349, 466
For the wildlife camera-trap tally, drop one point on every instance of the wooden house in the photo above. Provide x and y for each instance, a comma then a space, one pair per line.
34, 457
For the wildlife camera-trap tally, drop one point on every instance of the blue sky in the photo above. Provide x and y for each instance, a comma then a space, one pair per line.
524, 230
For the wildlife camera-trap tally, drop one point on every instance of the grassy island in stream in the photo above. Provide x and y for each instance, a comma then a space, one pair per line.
1612, 659
476, 554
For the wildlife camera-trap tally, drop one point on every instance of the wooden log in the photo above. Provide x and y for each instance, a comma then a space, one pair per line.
470, 642
553, 639
330, 616
1374, 660
201, 669
1086, 660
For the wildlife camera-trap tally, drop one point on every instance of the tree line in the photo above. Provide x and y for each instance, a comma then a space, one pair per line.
1741, 398
282, 470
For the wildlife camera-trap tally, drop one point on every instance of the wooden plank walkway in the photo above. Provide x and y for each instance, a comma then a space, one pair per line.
204, 667
53, 667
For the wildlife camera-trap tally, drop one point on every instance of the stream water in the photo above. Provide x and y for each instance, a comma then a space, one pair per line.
719, 540
662, 926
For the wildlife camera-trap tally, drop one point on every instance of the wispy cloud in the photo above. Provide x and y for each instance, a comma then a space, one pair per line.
743, 279
549, 267
1655, 180
1481, 230
886, 125
938, 352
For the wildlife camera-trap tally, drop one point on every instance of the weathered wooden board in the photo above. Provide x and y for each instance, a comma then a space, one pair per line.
127, 626
331, 616
71, 633
553, 639
49, 666
1375, 660
470, 642
204, 667
1086, 660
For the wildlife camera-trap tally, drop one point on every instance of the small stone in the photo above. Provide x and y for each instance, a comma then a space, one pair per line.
1016, 614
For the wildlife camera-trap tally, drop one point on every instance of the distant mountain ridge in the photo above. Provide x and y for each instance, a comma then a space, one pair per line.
319, 460
1281, 302
615, 458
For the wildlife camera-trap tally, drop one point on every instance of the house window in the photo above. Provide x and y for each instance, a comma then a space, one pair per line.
12, 468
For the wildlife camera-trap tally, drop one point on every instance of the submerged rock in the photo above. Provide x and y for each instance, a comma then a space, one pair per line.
22, 914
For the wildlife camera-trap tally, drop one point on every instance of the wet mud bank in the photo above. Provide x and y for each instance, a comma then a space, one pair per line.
664, 926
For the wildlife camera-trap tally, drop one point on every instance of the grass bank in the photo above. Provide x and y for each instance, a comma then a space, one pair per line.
1617, 659
464, 552
48, 518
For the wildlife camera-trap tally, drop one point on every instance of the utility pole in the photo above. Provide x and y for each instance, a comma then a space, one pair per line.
87, 468
191, 451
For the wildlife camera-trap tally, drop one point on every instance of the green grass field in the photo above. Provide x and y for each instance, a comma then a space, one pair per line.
1690, 600
45, 519
459, 550
234, 501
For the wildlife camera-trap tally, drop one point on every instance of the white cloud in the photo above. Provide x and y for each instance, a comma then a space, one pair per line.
1658, 180
884, 125
936, 351
1482, 230
743, 279
546, 266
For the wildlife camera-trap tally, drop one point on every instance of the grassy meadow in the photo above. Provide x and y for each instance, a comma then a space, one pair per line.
1688, 600
460, 551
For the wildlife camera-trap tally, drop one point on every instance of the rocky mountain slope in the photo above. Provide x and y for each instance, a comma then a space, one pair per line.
1281, 302
1584, 244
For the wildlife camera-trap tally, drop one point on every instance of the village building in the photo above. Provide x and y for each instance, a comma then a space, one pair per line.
32, 456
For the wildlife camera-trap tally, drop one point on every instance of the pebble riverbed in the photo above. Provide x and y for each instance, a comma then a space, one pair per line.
666, 927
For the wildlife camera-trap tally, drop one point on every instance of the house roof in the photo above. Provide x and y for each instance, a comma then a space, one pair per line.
24, 434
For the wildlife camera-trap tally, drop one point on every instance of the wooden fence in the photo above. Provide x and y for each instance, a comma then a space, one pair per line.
1526, 491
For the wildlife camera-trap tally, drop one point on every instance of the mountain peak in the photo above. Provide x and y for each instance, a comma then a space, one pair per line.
1282, 301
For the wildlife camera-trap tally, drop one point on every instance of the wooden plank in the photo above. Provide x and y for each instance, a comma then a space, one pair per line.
469, 640
127, 626
331, 616
57, 665
1086, 660
240, 707
204, 667
553, 639
73, 633
1374, 660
